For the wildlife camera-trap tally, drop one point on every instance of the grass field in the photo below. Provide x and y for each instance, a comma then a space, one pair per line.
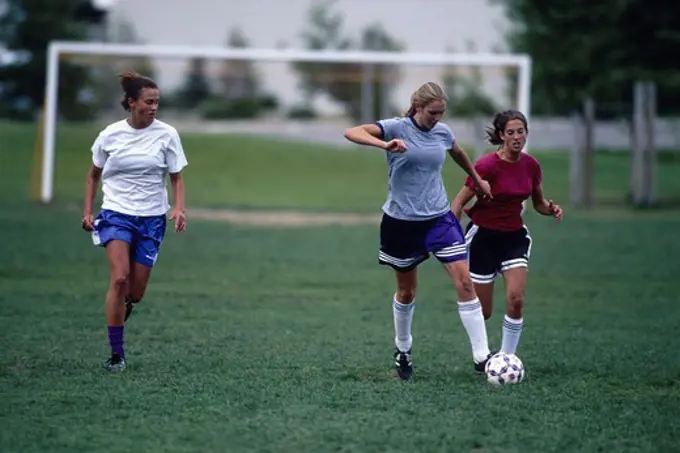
280, 339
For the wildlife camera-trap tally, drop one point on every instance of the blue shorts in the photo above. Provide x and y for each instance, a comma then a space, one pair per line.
404, 244
144, 234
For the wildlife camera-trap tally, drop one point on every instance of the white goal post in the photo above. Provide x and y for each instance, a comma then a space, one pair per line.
57, 49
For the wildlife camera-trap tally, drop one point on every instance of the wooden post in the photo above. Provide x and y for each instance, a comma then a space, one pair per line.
479, 133
385, 89
36, 180
637, 145
367, 95
588, 152
650, 169
575, 174
582, 156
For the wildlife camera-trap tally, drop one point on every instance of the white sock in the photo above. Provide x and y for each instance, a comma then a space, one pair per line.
473, 320
403, 319
512, 329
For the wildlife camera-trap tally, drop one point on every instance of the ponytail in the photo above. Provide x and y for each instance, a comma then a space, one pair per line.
132, 84
493, 134
500, 120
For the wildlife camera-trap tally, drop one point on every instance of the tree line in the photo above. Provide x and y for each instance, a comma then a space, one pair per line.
580, 49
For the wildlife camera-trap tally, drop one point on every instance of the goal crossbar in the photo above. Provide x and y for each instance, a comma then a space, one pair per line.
59, 48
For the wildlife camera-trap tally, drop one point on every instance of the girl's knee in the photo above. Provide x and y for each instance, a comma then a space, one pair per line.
515, 303
120, 279
406, 295
407, 283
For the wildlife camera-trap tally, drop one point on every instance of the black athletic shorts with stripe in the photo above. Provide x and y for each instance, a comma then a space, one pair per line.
492, 252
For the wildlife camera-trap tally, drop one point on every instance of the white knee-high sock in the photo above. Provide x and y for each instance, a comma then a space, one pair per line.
512, 329
473, 320
403, 319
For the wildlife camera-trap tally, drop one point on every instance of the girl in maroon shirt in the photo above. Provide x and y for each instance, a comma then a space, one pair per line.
498, 240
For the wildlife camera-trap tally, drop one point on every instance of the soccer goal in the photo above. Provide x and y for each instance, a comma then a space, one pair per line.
274, 91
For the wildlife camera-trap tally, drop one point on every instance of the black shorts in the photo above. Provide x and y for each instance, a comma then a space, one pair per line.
493, 252
404, 244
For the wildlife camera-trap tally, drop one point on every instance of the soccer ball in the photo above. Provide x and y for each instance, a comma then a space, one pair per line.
504, 369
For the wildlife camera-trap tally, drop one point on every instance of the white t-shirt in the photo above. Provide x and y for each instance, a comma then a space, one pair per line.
135, 164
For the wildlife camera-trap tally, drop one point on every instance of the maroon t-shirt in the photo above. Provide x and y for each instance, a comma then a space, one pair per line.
511, 184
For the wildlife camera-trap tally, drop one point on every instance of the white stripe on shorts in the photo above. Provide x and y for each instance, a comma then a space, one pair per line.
529, 238
399, 262
483, 279
470, 234
514, 263
519, 262
450, 251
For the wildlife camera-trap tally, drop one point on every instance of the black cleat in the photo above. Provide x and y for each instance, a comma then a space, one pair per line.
402, 361
115, 364
481, 366
129, 305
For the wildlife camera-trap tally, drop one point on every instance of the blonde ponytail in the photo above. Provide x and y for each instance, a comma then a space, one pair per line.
425, 94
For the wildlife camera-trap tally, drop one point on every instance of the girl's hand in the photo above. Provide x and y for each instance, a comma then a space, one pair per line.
485, 188
555, 209
88, 222
180, 219
396, 146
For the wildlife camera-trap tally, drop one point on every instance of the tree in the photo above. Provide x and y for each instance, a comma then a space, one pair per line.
324, 32
195, 88
126, 33
240, 93
385, 77
597, 49
466, 98
26, 28
107, 89
342, 82
238, 77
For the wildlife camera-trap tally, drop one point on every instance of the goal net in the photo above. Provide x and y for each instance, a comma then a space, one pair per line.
300, 95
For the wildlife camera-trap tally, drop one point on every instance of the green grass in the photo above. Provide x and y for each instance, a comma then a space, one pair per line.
264, 339
242, 172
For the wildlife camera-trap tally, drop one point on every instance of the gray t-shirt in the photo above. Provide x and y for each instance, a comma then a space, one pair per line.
416, 190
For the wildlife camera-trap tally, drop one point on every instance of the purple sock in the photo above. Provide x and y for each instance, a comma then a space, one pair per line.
116, 340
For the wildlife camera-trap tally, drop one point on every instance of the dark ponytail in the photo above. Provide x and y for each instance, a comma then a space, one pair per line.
493, 133
132, 84
500, 120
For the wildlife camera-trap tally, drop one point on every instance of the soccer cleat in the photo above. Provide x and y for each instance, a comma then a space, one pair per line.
480, 367
402, 361
115, 364
128, 308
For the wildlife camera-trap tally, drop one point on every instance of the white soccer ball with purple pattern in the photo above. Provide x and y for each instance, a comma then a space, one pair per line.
504, 369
